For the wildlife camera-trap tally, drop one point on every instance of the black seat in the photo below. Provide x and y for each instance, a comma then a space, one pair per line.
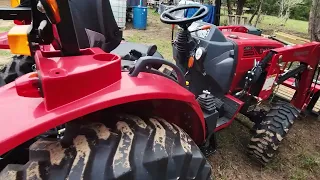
125, 47
97, 16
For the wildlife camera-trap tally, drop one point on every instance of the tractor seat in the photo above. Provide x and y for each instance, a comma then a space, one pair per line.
96, 27
125, 47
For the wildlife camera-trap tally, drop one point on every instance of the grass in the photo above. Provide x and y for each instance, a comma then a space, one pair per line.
271, 23
157, 33
5, 28
310, 162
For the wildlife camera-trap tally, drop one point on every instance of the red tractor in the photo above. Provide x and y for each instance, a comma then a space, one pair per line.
231, 71
85, 113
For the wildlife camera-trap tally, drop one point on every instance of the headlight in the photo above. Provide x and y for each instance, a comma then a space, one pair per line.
199, 53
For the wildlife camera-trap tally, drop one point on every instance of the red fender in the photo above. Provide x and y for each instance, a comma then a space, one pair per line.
4, 40
23, 118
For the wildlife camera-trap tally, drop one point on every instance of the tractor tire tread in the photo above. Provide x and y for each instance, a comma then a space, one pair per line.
130, 148
19, 66
271, 131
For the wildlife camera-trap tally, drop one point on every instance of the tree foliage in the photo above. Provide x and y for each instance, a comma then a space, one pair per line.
272, 7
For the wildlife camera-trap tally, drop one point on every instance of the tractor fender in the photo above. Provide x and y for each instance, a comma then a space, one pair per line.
4, 40
23, 118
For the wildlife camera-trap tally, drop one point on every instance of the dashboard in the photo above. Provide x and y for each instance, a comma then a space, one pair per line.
201, 33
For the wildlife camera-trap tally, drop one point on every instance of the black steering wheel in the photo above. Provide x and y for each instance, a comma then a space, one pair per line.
168, 16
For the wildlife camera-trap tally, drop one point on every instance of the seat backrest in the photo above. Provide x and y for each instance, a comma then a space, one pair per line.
95, 15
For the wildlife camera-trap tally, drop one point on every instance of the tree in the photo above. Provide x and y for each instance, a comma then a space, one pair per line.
240, 5
229, 7
259, 13
258, 9
286, 6
314, 21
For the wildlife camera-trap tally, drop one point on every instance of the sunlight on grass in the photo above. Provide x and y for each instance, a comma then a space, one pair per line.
6, 53
274, 23
5, 28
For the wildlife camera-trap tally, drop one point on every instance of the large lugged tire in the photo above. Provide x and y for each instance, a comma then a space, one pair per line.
19, 66
271, 131
131, 149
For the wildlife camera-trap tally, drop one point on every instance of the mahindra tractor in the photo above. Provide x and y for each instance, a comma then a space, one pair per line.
86, 112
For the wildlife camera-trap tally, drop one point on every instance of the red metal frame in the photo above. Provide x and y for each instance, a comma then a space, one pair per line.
233, 28
4, 40
307, 53
83, 84
257, 44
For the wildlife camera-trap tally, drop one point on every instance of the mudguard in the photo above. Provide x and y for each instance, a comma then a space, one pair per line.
4, 40
23, 118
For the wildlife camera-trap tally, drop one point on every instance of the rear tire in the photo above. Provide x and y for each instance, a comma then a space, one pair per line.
131, 149
271, 131
19, 66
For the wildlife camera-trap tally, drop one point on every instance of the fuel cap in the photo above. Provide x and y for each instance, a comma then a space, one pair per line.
233, 36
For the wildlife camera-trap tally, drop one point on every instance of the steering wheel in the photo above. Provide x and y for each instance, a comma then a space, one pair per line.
168, 16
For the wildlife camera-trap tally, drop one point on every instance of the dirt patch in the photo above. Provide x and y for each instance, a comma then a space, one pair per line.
156, 33
298, 156
4, 3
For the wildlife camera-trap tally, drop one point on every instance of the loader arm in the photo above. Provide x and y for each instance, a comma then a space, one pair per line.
276, 61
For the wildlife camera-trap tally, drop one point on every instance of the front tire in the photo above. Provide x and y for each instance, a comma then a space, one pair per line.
271, 131
131, 149
19, 66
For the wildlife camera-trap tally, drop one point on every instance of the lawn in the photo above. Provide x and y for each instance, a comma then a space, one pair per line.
273, 23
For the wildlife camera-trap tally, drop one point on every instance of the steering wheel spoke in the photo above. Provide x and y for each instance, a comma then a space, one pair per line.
198, 12
169, 17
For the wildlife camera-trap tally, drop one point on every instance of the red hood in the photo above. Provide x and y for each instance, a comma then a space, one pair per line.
245, 38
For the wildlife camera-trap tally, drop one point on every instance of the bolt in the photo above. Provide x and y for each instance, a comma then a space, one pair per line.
246, 78
252, 73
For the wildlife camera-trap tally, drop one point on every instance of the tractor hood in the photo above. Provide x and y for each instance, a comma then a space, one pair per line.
249, 39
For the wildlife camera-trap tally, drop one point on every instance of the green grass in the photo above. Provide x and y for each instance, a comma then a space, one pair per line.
309, 162
157, 33
5, 53
274, 23
5, 28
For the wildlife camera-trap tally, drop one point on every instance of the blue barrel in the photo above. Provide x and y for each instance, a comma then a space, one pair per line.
140, 15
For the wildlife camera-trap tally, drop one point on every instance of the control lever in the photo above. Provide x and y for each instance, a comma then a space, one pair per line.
151, 50
135, 55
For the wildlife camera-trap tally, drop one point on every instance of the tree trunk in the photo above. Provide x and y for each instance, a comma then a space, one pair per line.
314, 21
240, 6
281, 9
287, 15
259, 14
229, 7
255, 12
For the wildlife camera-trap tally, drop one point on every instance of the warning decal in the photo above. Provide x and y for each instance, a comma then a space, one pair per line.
268, 84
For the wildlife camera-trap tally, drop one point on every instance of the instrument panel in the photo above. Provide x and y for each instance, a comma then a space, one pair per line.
201, 33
